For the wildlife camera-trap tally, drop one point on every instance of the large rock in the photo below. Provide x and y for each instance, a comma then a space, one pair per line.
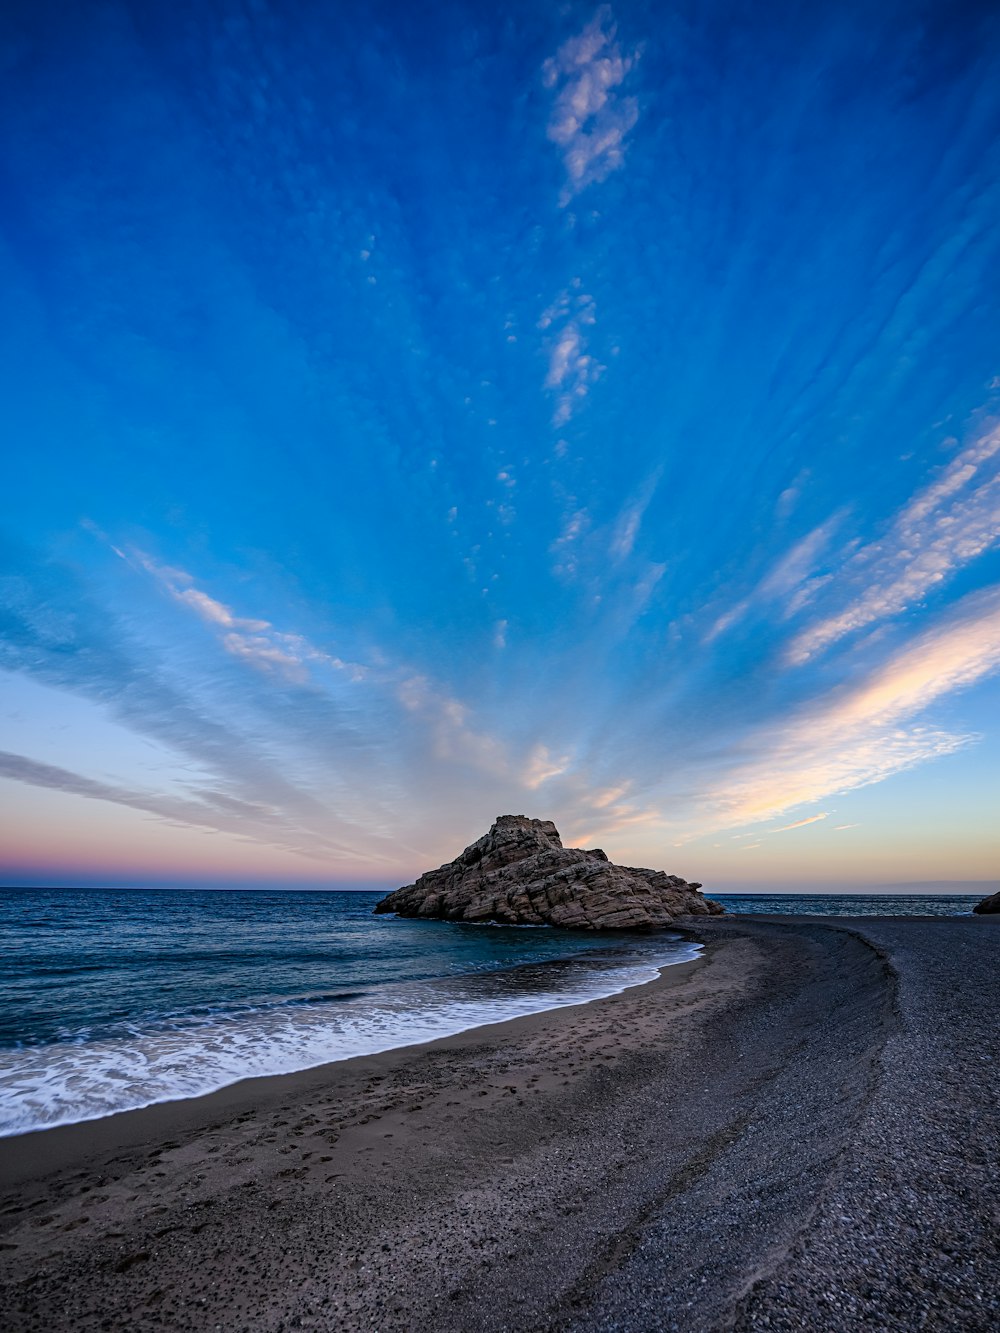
520, 874
989, 905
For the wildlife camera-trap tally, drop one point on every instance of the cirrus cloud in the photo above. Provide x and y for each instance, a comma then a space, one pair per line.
945, 526
862, 733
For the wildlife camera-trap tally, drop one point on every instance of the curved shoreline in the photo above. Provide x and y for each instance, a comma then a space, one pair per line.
453, 1017
675, 1156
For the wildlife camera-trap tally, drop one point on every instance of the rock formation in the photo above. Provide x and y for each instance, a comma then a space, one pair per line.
989, 905
520, 874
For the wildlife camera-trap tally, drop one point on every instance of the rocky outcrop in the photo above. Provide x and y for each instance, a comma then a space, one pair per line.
520, 874
989, 905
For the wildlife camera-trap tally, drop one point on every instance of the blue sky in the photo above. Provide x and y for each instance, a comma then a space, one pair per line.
420, 413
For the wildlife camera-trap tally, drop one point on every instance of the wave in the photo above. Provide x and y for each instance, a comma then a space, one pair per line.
78, 1079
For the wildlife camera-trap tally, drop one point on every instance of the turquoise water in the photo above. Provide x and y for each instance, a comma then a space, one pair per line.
114, 999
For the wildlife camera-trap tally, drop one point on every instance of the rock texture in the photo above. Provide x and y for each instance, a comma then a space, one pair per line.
989, 905
520, 874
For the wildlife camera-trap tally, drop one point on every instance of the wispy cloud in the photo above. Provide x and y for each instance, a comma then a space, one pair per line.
572, 369
52, 629
601, 799
793, 581
590, 118
590, 813
626, 531
254, 641
944, 527
565, 548
454, 736
867, 731
206, 809
799, 823
629, 521
304, 767
542, 766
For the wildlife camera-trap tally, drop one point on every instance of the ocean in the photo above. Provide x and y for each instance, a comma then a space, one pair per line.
116, 999
851, 904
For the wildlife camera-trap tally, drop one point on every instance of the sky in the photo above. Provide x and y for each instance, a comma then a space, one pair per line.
416, 413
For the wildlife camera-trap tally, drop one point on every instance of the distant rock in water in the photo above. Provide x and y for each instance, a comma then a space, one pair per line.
520, 874
988, 906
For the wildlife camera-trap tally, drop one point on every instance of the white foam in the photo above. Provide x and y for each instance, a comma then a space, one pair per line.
66, 1082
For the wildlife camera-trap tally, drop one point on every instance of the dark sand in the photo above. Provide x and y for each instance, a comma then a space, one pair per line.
798, 1131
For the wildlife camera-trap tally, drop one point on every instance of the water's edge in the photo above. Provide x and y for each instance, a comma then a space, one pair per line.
113, 1001
56, 1085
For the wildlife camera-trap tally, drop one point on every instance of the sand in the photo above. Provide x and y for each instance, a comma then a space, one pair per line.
797, 1130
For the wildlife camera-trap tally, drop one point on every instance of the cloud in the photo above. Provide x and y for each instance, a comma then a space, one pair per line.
629, 521
572, 370
792, 581
589, 119
626, 531
565, 547
51, 628
601, 799
232, 742
945, 526
210, 610
214, 811
541, 767
865, 732
264, 652
643, 590
799, 823
254, 641
590, 813
448, 720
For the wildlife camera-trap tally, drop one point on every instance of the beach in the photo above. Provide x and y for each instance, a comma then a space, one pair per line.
796, 1130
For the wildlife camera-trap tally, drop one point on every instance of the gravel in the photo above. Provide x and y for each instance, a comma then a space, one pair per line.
799, 1131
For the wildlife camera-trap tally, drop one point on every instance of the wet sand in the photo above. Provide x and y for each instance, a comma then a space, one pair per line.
798, 1130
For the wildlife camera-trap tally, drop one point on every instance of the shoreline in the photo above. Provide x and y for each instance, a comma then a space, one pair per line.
21, 1154
556, 1001
680, 1155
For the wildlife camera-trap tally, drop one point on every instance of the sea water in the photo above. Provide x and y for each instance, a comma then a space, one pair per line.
117, 999
850, 904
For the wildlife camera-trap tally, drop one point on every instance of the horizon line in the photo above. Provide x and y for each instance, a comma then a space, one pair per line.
916, 888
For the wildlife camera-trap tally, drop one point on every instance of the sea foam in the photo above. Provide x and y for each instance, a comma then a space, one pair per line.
86, 1078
